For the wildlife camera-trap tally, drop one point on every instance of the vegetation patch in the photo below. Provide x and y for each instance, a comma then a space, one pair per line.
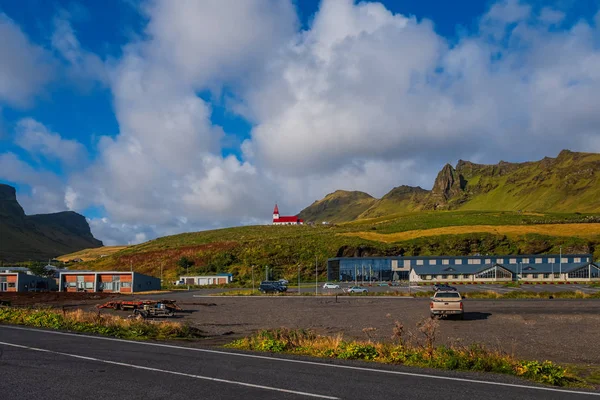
407, 348
101, 324
569, 230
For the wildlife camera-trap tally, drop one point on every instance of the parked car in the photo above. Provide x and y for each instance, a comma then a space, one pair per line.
440, 286
383, 284
331, 286
446, 302
284, 282
357, 289
272, 287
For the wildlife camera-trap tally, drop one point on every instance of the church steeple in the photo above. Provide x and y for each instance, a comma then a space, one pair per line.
276, 212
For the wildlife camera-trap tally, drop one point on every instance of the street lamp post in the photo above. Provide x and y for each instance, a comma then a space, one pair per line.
560, 263
316, 277
253, 279
298, 279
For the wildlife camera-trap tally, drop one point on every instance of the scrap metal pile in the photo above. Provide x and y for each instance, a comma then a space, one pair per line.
145, 308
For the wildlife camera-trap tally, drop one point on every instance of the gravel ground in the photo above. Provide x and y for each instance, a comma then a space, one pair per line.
565, 331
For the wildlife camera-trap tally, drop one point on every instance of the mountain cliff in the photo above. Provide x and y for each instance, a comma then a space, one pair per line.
39, 237
568, 183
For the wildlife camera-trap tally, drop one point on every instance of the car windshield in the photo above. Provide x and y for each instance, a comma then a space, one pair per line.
448, 294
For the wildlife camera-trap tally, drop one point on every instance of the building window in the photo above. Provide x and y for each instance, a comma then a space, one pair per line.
580, 273
446, 262
89, 285
556, 275
440, 277
512, 261
551, 260
500, 260
432, 262
11, 284
455, 276
535, 276
419, 262
428, 277
488, 260
538, 260
487, 274
525, 260
546, 276
458, 262
477, 261
126, 284
577, 259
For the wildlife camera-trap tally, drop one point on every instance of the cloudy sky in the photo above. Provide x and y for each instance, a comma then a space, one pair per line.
159, 117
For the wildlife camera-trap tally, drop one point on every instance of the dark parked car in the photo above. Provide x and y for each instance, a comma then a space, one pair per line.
442, 287
272, 287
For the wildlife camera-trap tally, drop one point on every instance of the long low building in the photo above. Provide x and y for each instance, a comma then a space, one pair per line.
548, 268
217, 279
22, 282
107, 281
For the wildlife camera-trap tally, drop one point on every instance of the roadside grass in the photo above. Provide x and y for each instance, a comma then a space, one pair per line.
589, 373
407, 348
102, 324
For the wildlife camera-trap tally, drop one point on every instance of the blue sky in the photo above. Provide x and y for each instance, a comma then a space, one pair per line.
152, 119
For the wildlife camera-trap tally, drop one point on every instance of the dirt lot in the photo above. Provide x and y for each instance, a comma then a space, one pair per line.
566, 331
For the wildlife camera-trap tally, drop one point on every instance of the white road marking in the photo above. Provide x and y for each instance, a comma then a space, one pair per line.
291, 296
207, 378
383, 371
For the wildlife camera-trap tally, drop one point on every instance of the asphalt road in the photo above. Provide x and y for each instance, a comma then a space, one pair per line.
54, 365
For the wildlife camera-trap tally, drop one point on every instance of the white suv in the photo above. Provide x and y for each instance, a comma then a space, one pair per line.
331, 286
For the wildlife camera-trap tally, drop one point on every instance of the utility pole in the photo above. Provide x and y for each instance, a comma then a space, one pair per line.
316, 277
298, 279
253, 279
266, 272
560, 263
131, 265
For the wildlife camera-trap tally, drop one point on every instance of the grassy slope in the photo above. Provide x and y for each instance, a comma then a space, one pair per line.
568, 183
286, 248
340, 206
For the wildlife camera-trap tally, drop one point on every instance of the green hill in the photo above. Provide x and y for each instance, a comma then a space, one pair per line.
39, 237
339, 206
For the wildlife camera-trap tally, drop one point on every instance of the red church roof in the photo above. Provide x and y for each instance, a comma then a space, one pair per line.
288, 219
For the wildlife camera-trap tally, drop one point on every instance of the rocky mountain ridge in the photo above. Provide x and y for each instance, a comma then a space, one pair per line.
568, 183
42, 236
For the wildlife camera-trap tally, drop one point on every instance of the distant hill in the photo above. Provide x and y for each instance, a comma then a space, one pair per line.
568, 183
339, 206
39, 237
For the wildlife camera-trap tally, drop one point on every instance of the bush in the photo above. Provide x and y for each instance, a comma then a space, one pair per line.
106, 325
421, 353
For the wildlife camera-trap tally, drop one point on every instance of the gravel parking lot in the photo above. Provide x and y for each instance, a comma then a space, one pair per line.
565, 331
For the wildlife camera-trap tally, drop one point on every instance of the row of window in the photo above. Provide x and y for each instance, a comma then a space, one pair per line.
582, 273
478, 261
102, 285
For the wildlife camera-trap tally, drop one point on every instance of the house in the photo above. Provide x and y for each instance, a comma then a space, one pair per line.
216, 279
285, 220
107, 281
23, 282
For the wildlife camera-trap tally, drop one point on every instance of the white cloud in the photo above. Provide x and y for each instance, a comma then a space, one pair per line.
551, 16
24, 67
83, 66
164, 170
364, 99
34, 137
47, 190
